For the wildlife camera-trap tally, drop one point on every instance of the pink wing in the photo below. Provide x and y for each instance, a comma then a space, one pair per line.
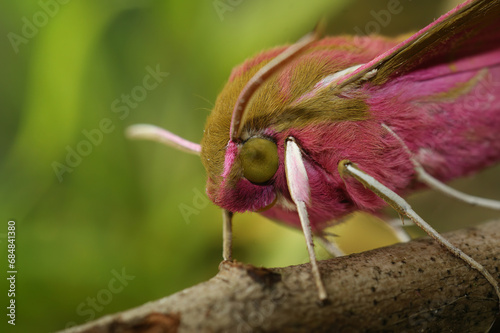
471, 29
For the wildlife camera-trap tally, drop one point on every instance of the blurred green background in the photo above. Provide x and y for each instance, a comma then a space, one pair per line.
66, 66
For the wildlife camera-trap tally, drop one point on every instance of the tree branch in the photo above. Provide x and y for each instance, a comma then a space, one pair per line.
416, 286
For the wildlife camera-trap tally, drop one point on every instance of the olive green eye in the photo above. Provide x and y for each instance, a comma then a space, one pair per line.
259, 159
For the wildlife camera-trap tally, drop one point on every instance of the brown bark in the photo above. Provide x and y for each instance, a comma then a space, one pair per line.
412, 287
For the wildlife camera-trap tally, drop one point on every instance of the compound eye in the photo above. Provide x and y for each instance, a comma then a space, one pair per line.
259, 159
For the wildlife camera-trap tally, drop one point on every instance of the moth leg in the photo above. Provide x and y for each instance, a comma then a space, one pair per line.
298, 185
439, 186
396, 226
401, 206
158, 134
329, 246
227, 235
432, 182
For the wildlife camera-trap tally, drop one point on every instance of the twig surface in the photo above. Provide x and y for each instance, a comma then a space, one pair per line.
411, 287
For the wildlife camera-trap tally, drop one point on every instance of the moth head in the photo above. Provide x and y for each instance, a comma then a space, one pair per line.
259, 156
259, 160
242, 159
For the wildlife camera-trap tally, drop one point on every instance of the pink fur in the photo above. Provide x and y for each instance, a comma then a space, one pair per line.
231, 154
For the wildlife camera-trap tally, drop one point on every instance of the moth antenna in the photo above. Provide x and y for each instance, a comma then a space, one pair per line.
439, 186
158, 134
402, 207
298, 185
263, 74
